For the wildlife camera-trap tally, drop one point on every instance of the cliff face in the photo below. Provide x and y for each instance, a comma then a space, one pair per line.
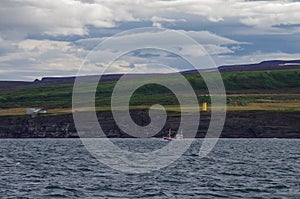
237, 125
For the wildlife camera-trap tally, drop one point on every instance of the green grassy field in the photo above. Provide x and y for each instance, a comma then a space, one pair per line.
256, 90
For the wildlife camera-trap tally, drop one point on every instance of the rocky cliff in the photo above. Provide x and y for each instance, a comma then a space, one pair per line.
237, 125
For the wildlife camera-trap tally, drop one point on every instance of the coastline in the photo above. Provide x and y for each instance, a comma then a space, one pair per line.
239, 124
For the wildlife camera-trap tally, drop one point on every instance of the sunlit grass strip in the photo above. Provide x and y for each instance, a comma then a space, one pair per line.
261, 106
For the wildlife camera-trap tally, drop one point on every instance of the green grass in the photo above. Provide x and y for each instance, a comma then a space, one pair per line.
262, 79
245, 87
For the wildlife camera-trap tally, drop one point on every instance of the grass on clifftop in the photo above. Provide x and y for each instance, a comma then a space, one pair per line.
257, 90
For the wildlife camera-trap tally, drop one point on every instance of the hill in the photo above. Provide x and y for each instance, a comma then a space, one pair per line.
254, 89
276, 82
265, 65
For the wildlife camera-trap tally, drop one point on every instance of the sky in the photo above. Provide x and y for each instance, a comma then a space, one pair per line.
53, 37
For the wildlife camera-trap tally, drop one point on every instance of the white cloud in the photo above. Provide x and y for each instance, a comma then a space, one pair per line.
212, 43
252, 13
157, 21
55, 17
255, 57
206, 37
89, 43
216, 50
20, 20
138, 37
42, 46
40, 58
47, 57
69, 17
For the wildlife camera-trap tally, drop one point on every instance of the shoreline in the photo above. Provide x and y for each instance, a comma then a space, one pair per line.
239, 124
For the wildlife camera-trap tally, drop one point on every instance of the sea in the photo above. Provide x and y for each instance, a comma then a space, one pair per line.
235, 168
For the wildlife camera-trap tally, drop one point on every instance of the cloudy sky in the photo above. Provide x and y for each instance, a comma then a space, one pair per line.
52, 37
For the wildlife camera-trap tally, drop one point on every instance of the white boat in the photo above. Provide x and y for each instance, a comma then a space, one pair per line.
179, 136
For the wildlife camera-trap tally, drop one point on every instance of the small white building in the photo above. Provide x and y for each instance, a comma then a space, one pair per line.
34, 111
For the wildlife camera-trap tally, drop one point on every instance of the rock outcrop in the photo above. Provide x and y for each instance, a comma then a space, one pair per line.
237, 125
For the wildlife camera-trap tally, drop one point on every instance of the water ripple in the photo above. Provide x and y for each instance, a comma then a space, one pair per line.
62, 168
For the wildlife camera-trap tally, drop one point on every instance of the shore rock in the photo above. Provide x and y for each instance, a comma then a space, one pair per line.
238, 125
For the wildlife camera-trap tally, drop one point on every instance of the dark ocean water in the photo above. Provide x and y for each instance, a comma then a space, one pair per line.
63, 168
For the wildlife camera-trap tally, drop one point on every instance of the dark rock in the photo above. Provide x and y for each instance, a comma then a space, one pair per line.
237, 125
